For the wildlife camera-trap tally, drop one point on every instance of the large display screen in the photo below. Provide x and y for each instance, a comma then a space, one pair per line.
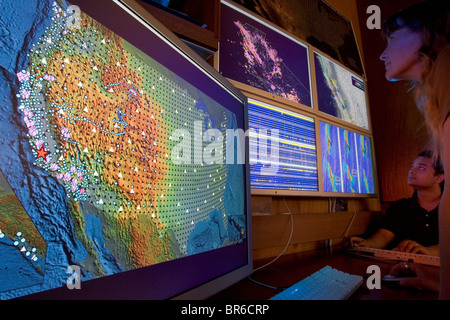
112, 156
256, 54
347, 161
340, 93
282, 149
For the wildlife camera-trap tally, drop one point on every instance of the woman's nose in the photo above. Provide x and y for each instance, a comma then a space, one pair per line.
383, 55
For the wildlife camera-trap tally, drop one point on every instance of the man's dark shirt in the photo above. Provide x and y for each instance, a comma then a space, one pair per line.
408, 220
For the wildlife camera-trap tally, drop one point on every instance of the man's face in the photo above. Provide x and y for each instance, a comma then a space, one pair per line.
422, 173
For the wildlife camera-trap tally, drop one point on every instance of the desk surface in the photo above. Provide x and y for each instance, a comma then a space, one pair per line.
292, 268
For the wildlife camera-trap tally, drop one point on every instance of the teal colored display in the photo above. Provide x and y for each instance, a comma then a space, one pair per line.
347, 162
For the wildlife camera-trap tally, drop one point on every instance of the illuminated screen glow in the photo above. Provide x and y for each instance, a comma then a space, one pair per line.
347, 163
97, 158
282, 149
258, 55
340, 93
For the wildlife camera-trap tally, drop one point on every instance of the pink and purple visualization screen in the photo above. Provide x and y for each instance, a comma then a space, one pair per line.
347, 162
255, 54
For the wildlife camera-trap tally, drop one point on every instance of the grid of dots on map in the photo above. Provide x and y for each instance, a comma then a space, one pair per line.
106, 133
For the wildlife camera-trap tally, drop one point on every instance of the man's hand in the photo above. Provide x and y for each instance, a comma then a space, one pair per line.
423, 277
356, 242
411, 246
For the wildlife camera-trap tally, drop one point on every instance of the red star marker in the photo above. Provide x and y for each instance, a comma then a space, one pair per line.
42, 153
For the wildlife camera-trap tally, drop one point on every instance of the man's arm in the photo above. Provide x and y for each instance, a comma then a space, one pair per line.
380, 239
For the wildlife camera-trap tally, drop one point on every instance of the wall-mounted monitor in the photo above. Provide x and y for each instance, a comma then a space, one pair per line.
257, 54
347, 161
317, 23
289, 164
115, 175
283, 156
340, 93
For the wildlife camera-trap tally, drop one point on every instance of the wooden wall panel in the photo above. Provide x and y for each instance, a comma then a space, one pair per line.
316, 220
274, 230
310, 231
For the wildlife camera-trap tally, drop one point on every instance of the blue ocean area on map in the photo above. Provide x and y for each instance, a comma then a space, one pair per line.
210, 121
16, 38
94, 232
324, 95
212, 234
10, 261
207, 235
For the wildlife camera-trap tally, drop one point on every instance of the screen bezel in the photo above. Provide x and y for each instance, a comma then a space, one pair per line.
135, 284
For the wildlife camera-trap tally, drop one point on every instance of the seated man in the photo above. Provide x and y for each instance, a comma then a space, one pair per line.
411, 225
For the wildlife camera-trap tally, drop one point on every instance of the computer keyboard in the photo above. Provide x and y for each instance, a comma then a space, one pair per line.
396, 255
326, 284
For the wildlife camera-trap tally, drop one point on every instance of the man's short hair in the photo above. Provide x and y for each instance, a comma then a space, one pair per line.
437, 164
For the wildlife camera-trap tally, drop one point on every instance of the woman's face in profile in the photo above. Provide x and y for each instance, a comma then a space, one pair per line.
401, 56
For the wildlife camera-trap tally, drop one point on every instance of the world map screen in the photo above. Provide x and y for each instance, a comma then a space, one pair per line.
110, 157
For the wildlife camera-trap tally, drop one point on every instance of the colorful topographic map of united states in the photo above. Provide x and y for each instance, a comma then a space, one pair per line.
87, 150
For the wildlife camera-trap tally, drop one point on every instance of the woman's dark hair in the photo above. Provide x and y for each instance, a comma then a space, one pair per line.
430, 18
